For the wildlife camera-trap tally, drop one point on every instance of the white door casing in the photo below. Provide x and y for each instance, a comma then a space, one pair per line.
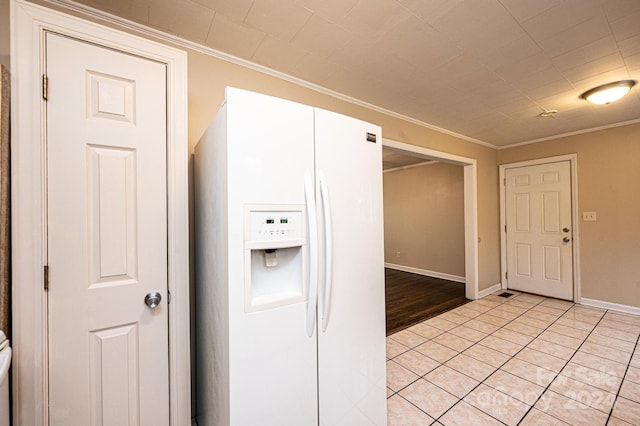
30, 23
107, 236
539, 229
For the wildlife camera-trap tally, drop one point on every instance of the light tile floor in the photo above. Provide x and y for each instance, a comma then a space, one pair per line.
522, 360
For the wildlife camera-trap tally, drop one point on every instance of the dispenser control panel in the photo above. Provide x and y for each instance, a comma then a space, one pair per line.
276, 225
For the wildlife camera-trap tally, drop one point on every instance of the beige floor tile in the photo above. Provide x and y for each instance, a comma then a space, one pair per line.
523, 327
425, 330
633, 374
616, 333
389, 392
548, 310
583, 393
570, 410
497, 404
630, 390
612, 343
436, 351
598, 363
627, 410
605, 352
500, 312
541, 359
416, 362
512, 336
478, 306
568, 331
598, 378
487, 355
520, 304
536, 417
530, 298
468, 333
429, 397
547, 319
614, 421
589, 310
493, 298
398, 377
454, 317
450, 380
574, 323
582, 316
408, 338
440, 323
561, 339
454, 342
492, 319
505, 346
471, 367
635, 359
533, 373
395, 348
551, 348
529, 321
401, 412
463, 414
557, 304
466, 312
519, 388
510, 307
629, 319
482, 326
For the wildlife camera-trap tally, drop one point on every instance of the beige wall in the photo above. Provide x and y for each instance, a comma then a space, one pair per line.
208, 76
424, 218
4, 33
608, 184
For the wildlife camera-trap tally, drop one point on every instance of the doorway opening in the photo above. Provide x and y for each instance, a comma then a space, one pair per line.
416, 286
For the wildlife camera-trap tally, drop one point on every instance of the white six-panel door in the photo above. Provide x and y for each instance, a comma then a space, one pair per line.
539, 229
107, 236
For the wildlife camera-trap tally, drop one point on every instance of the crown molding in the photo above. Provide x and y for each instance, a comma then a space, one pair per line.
574, 133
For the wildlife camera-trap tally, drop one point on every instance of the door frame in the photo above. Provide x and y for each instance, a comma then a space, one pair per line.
573, 162
470, 205
29, 22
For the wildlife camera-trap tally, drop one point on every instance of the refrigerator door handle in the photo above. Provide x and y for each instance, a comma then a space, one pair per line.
328, 235
312, 299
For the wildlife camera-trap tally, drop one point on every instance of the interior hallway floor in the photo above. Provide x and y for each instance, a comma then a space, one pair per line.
521, 360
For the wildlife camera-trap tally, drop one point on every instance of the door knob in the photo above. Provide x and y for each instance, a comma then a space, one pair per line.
565, 229
152, 299
566, 240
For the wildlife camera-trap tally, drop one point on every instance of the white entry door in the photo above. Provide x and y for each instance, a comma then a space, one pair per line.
539, 229
107, 236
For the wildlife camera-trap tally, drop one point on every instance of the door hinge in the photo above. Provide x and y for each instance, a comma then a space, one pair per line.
504, 181
46, 277
505, 228
506, 276
168, 297
45, 87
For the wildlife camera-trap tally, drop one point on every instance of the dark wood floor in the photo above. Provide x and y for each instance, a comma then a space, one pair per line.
412, 298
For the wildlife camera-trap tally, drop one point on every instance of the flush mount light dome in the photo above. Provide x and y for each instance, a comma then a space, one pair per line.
608, 93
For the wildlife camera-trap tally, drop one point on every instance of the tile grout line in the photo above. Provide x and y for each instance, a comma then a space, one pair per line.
635, 348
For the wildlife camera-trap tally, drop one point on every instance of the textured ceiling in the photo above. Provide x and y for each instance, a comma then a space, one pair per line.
483, 69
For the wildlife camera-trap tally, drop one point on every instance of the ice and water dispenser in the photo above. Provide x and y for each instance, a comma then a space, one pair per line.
275, 256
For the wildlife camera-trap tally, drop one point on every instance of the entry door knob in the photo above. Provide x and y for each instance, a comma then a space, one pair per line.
152, 299
566, 240
565, 229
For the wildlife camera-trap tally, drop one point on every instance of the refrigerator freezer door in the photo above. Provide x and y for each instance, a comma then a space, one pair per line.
351, 351
272, 361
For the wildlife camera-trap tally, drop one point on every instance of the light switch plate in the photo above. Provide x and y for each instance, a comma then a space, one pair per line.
589, 216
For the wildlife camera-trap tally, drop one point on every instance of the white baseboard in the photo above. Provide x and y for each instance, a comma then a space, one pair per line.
488, 291
426, 272
611, 306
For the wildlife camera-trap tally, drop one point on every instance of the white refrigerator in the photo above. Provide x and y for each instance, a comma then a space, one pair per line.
290, 317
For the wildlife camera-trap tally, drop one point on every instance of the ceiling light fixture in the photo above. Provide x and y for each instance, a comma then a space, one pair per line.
548, 113
608, 93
